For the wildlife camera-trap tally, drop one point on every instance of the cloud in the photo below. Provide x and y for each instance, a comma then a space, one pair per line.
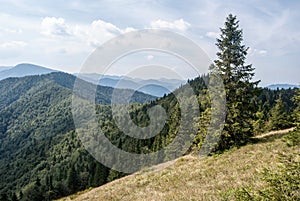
99, 32
13, 45
150, 57
12, 31
213, 35
94, 34
262, 52
179, 25
11, 49
52, 26
255, 52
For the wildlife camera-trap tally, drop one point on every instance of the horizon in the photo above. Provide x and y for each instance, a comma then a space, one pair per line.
63, 38
138, 77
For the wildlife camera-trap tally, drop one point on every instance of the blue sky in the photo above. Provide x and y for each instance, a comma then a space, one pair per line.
62, 34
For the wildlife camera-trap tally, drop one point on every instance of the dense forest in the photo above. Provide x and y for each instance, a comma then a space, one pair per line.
42, 157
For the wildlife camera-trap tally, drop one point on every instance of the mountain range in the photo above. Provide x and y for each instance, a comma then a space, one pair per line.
282, 86
155, 87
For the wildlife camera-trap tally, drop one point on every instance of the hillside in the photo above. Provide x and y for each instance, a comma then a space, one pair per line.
193, 178
37, 137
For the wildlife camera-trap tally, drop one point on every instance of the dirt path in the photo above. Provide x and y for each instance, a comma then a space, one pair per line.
280, 132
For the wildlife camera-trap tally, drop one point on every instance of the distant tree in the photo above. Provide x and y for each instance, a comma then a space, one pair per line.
34, 192
240, 90
296, 112
259, 124
278, 116
100, 175
73, 179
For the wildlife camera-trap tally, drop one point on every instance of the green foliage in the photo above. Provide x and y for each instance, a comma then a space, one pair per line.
240, 90
278, 117
37, 139
296, 112
259, 123
266, 110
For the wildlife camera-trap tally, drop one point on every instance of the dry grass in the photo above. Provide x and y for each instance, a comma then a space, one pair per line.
194, 178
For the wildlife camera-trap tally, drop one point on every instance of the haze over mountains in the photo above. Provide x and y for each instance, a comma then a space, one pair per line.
2, 68
154, 87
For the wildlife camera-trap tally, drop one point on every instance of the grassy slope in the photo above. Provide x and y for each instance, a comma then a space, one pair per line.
194, 178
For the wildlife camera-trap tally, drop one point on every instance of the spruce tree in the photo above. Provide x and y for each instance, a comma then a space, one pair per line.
72, 179
240, 89
278, 116
296, 112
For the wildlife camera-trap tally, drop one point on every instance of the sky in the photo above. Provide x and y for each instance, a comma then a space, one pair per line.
62, 34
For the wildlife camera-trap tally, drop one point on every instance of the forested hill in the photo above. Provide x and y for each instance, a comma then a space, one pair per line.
37, 139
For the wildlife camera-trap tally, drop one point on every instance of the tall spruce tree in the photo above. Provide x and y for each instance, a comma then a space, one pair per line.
237, 77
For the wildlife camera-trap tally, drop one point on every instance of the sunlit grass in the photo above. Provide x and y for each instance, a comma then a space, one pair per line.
195, 178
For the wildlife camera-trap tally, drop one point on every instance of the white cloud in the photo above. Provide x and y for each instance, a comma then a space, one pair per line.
128, 29
13, 31
99, 32
150, 57
262, 52
255, 52
180, 24
13, 45
11, 49
94, 34
52, 26
213, 35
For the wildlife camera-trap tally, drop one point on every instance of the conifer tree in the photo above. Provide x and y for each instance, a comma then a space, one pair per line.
240, 89
296, 112
278, 118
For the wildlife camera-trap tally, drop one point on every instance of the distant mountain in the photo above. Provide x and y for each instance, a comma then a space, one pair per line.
282, 86
154, 87
22, 70
2, 68
154, 90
